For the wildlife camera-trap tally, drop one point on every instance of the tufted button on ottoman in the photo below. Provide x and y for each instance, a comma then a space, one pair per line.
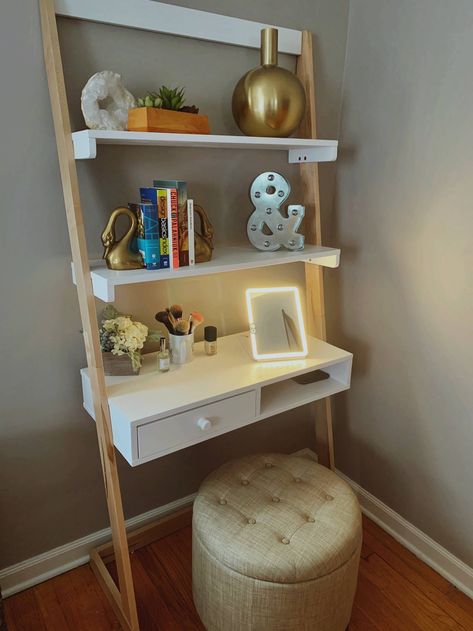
276, 546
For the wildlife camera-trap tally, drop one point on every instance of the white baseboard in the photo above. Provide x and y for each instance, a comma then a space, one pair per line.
449, 566
40, 568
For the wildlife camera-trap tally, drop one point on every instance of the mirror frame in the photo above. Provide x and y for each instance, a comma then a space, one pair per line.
253, 334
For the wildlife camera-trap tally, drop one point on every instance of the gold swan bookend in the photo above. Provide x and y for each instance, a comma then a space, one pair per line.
203, 242
117, 254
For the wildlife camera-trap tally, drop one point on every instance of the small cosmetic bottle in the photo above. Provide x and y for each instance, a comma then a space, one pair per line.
210, 337
164, 358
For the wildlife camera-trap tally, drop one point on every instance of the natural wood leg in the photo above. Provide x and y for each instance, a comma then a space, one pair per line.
313, 234
75, 222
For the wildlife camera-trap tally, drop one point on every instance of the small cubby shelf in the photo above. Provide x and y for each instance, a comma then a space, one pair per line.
154, 414
299, 149
225, 259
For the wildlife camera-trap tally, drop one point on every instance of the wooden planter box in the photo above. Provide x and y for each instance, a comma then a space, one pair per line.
117, 365
155, 119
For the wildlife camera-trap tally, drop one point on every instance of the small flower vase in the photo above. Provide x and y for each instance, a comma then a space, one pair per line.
182, 348
118, 365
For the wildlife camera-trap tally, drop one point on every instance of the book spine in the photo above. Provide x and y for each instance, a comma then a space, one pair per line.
181, 188
190, 231
183, 223
173, 227
163, 228
149, 220
148, 234
149, 250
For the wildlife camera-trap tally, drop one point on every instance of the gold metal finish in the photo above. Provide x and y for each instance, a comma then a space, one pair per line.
203, 242
117, 254
269, 100
269, 47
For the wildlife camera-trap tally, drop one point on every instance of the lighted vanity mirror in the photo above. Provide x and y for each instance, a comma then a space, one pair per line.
276, 323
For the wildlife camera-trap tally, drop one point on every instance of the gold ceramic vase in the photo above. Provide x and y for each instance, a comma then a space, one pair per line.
269, 100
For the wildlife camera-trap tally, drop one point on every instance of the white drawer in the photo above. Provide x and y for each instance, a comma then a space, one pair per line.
196, 425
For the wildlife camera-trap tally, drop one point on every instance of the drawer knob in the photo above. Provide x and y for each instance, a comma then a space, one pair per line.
204, 424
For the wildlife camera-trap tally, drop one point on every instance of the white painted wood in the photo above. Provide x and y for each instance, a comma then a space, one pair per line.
85, 146
42, 567
326, 153
285, 395
152, 396
299, 149
196, 425
148, 15
226, 259
436, 556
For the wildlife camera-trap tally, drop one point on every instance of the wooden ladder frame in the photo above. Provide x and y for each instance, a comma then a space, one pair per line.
122, 597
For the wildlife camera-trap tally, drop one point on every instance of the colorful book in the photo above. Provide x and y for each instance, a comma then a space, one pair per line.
147, 233
159, 198
149, 220
173, 227
181, 188
190, 231
149, 250
163, 227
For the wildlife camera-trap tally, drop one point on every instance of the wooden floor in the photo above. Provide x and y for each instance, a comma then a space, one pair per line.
396, 591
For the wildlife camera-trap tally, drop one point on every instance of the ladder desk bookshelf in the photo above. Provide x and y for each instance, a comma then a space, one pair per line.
150, 431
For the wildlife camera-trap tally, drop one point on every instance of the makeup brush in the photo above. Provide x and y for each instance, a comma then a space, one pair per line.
182, 327
163, 317
176, 311
197, 319
171, 317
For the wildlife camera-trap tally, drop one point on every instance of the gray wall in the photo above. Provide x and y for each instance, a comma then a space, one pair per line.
50, 481
403, 302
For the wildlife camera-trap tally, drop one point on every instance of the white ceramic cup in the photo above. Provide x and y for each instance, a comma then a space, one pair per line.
181, 347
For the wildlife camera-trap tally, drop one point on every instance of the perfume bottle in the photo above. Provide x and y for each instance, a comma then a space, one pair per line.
164, 358
210, 337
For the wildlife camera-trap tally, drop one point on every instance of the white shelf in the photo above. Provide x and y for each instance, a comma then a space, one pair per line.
157, 413
299, 149
226, 259
175, 20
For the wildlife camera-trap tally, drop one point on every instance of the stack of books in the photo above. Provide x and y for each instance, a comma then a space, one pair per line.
165, 236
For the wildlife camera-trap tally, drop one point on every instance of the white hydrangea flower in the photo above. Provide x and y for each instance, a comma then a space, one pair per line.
127, 336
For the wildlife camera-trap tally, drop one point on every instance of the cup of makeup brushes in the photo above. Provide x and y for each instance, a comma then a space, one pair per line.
182, 348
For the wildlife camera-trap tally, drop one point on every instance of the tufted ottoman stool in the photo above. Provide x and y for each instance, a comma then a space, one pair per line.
276, 546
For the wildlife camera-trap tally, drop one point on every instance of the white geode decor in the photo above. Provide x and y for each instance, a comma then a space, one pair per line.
105, 101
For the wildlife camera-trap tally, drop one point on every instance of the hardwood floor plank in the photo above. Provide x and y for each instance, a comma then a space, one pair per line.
82, 607
152, 607
416, 574
50, 606
378, 608
421, 610
23, 614
410, 559
166, 561
461, 605
365, 548
360, 621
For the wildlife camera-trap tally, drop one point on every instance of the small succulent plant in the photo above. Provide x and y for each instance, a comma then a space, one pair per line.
171, 98
167, 99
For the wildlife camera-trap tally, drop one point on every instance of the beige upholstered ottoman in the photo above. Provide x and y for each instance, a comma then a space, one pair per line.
276, 546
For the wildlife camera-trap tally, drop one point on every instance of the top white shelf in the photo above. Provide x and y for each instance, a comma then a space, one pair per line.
299, 149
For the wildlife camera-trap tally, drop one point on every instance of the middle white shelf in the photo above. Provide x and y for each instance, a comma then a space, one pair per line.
225, 259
